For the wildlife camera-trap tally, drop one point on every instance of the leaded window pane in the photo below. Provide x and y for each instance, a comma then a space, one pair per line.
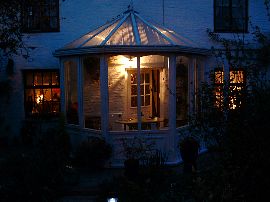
230, 16
40, 15
41, 95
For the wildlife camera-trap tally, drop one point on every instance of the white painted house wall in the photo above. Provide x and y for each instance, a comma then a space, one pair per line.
189, 18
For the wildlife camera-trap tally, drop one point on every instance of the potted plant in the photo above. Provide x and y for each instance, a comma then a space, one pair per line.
189, 151
135, 150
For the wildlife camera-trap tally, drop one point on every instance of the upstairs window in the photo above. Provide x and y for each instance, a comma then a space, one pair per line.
231, 15
40, 16
41, 92
236, 88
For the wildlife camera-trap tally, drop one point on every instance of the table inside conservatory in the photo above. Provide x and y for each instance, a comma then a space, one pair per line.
147, 123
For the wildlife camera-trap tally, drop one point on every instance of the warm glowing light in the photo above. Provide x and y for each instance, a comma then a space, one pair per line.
237, 76
39, 98
112, 200
123, 62
127, 61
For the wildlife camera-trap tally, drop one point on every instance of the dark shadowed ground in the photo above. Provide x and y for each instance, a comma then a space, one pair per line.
89, 182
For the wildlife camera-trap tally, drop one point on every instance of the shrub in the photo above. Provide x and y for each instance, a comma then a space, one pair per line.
92, 153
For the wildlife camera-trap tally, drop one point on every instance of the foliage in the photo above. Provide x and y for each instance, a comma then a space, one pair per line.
136, 148
5, 90
36, 173
241, 160
92, 153
10, 33
237, 137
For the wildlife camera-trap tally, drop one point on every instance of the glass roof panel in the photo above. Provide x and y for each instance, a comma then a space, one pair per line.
84, 38
124, 34
149, 36
175, 37
99, 38
130, 29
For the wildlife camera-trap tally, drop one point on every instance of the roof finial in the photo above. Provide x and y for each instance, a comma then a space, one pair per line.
130, 6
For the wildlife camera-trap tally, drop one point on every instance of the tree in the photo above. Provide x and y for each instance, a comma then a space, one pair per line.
10, 33
240, 136
11, 43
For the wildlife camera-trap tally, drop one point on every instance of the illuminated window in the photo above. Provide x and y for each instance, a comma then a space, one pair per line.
40, 15
219, 77
236, 88
231, 15
42, 92
145, 89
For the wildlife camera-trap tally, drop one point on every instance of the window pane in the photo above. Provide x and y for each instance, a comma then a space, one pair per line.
71, 92
147, 78
142, 78
91, 92
134, 90
142, 89
239, 3
181, 91
134, 101
147, 89
226, 2
56, 94
47, 78
55, 78
29, 78
237, 12
219, 77
226, 14
47, 95
218, 13
236, 77
147, 100
37, 78
142, 101
219, 2
39, 101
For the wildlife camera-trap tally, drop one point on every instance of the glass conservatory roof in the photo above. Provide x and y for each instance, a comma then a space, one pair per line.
128, 30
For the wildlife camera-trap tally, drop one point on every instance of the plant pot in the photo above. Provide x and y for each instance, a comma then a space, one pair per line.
189, 151
131, 168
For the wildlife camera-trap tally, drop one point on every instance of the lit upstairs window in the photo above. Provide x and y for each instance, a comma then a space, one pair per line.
40, 16
230, 15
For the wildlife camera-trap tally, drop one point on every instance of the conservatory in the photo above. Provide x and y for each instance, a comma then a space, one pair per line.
130, 78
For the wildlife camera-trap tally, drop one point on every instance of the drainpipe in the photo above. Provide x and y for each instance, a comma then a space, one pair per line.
62, 87
163, 13
104, 97
80, 91
172, 109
